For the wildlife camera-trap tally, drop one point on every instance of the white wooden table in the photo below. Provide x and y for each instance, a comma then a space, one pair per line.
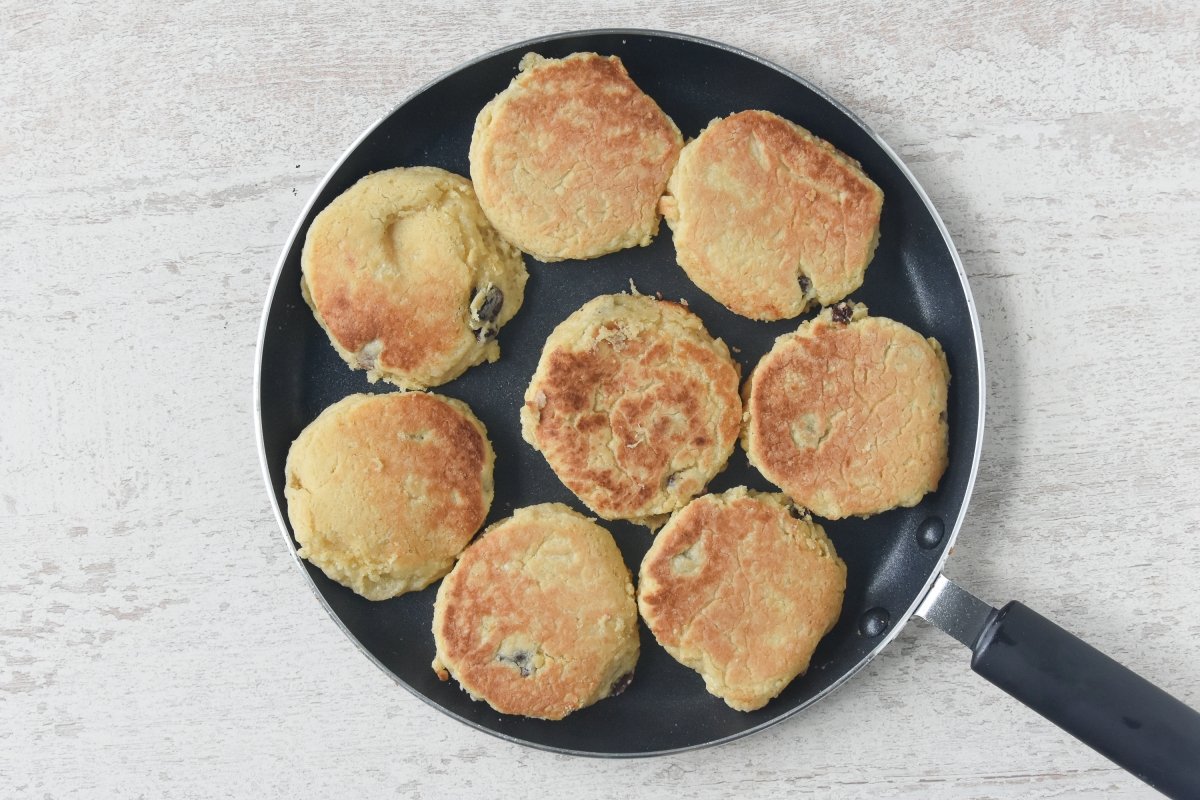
156, 639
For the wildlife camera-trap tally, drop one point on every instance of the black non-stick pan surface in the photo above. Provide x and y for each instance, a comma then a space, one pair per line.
914, 278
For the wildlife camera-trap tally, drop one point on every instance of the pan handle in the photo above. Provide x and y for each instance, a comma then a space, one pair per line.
1121, 715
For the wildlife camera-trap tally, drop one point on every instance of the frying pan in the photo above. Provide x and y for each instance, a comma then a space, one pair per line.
894, 559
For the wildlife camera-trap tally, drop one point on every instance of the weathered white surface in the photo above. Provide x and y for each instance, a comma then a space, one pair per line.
156, 639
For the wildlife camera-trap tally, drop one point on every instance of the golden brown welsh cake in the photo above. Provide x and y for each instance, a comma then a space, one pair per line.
570, 160
634, 406
409, 279
538, 616
383, 491
848, 414
741, 588
769, 219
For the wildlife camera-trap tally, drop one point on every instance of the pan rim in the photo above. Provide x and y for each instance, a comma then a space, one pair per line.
936, 570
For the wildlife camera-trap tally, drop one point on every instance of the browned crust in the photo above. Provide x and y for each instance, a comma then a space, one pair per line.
850, 419
538, 616
634, 406
570, 160
756, 202
391, 267
739, 589
383, 491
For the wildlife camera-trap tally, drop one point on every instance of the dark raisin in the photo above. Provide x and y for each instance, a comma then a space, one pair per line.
489, 309
621, 685
522, 660
486, 334
805, 285
799, 512
842, 312
673, 479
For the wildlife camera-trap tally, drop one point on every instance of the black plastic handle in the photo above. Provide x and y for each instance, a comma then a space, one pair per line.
1120, 714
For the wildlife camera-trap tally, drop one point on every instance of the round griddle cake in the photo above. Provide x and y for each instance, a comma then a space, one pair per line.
769, 219
634, 406
570, 160
383, 491
741, 588
538, 616
848, 414
409, 279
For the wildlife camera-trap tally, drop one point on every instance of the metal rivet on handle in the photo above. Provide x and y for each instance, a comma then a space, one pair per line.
930, 533
874, 622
